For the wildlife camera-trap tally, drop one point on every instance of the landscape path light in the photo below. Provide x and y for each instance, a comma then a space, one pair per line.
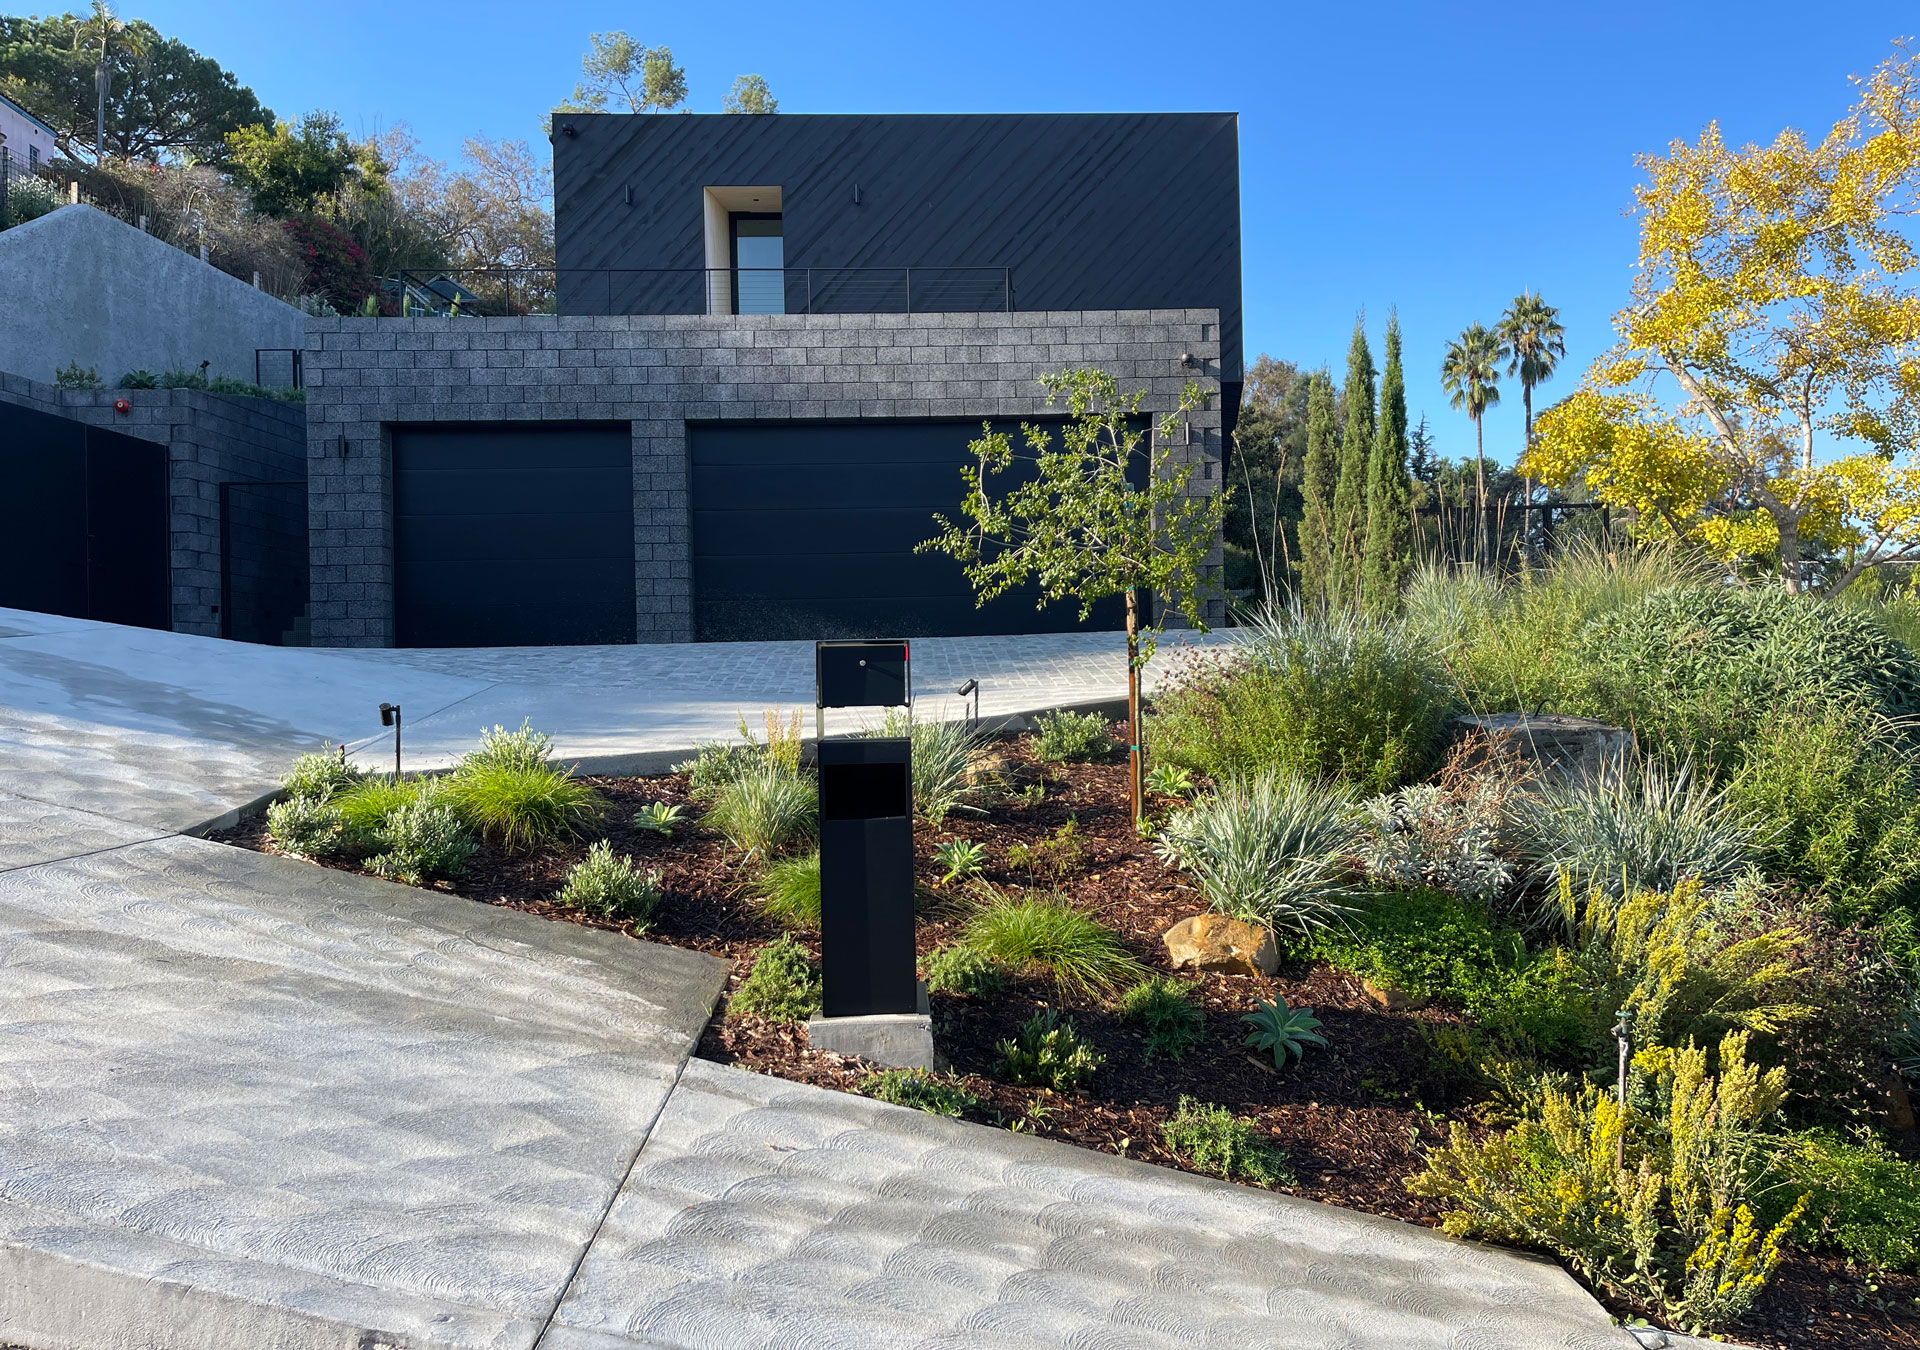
390, 717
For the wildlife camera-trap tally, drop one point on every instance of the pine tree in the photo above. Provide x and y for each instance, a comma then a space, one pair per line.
1318, 477
1350, 497
1389, 549
1421, 461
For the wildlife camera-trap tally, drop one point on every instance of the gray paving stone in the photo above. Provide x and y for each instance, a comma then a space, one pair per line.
768, 1213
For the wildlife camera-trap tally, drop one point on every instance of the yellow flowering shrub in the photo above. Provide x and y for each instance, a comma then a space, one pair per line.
1654, 1206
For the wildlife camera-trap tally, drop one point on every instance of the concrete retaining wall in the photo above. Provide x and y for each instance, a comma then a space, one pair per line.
77, 285
211, 439
659, 372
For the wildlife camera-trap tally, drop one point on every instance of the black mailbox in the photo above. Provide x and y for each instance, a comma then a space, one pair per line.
866, 876
861, 674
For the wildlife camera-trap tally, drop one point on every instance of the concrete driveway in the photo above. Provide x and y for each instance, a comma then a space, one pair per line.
249, 1104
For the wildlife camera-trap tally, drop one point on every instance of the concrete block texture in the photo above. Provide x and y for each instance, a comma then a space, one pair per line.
693, 367
760, 1207
77, 285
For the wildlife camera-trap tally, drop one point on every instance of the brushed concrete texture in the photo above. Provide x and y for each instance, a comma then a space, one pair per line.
79, 285
269, 1104
769, 1213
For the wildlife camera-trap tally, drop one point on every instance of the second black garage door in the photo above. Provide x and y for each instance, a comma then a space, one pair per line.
807, 530
513, 536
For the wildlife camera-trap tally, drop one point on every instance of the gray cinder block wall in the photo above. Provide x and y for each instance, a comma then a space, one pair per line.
211, 439
660, 371
77, 285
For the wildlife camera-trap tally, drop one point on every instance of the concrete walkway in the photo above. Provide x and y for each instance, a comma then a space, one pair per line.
248, 1104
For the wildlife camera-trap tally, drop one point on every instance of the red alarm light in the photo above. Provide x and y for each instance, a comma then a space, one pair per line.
121, 405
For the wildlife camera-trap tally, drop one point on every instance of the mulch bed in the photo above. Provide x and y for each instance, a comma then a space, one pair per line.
1353, 1118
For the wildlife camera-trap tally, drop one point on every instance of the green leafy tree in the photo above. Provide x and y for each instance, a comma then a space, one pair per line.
1534, 341
1269, 454
750, 94
1389, 548
619, 70
1318, 479
1081, 529
291, 170
1470, 373
1350, 495
141, 97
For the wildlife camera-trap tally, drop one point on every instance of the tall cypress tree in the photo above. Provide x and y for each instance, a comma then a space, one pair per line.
1389, 551
1318, 477
1356, 447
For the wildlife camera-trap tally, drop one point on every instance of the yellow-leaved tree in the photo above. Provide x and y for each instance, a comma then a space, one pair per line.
1769, 303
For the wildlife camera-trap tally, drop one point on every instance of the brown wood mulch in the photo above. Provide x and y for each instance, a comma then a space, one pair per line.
1353, 1118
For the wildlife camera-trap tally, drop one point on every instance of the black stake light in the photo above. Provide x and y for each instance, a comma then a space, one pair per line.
390, 717
971, 687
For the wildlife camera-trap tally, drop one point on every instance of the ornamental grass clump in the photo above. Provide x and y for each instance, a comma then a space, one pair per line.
943, 758
1675, 1229
1343, 698
611, 887
508, 793
769, 807
790, 891
1631, 827
1047, 934
366, 806
1272, 850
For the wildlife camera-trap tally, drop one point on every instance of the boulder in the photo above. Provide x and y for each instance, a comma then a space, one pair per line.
1216, 942
1392, 999
1555, 745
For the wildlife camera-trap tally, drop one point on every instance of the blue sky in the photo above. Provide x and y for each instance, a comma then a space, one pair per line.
1435, 157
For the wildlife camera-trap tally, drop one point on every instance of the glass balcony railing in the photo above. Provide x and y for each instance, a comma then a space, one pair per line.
472, 292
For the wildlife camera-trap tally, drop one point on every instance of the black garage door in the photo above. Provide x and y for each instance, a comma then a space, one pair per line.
807, 530
513, 536
83, 521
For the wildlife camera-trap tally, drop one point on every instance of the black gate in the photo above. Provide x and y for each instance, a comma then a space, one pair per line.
263, 562
83, 521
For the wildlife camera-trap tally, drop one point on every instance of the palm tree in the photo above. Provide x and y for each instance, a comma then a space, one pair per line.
1470, 373
1534, 342
107, 27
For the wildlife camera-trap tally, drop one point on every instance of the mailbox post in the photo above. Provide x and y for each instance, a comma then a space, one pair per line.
872, 1004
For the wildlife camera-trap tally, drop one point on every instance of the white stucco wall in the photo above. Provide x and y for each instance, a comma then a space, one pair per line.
79, 285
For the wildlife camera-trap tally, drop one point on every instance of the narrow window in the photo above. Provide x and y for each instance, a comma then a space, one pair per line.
759, 262
33, 157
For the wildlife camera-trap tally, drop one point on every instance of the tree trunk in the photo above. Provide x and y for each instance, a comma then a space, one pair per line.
1526, 511
1136, 782
100, 101
1480, 477
1789, 553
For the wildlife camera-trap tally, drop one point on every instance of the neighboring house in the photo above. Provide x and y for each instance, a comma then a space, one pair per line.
24, 138
775, 337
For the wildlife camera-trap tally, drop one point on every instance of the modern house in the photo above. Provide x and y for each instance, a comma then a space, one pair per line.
773, 338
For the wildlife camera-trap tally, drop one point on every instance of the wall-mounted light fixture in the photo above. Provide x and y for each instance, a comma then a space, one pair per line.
856, 194
629, 194
567, 129
1188, 360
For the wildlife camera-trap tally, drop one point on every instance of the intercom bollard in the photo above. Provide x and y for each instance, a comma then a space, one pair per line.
872, 1004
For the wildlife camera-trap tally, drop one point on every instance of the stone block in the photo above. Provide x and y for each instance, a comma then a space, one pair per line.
897, 1040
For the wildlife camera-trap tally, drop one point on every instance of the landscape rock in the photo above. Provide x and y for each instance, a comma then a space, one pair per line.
1555, 745
1216, 942
1394, 1000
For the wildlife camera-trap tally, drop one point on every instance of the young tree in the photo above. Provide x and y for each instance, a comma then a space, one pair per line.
1768, 305
620, 70
1389, 550
1470, 373
750, 94
1421, 461
1082, 530
1319, 477
155, 97
1356, 446
1534, 341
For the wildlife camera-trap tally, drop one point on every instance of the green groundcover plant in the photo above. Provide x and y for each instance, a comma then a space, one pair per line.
1211, 1139
784, 984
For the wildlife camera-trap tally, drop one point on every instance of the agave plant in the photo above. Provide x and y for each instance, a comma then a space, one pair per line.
1273, 849
1283, 1030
